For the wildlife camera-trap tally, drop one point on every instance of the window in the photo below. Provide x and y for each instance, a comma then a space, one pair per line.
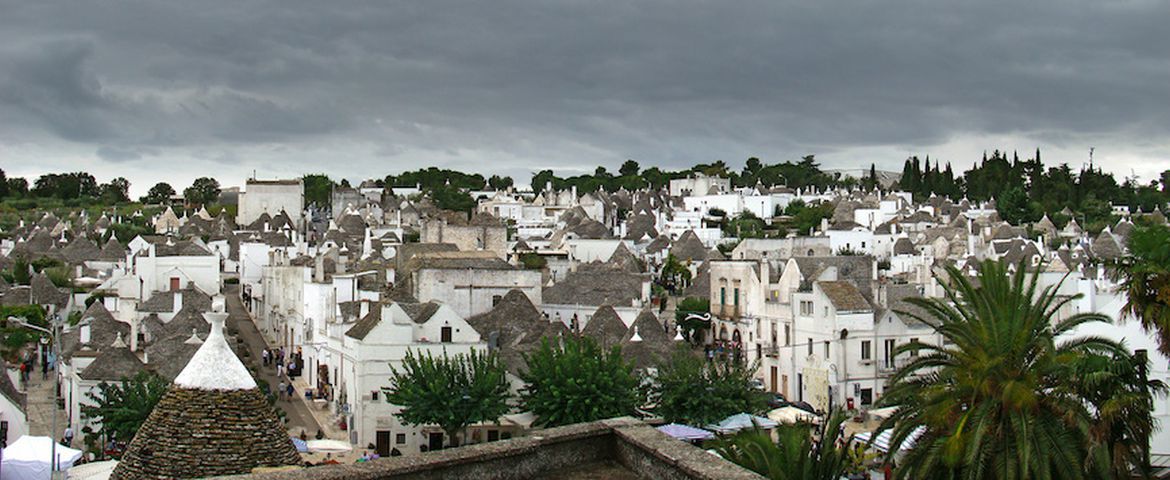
723, 295
374, 395
826, 315
866, 352
806, 308
496, 300
810, 346
915, 352
400, 438
174, 284
737, 296
787, 335
493, 435
826, 349
890, 344
445, 334
862, 244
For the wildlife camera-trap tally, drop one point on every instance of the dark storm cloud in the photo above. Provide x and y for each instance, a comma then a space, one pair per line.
518, 85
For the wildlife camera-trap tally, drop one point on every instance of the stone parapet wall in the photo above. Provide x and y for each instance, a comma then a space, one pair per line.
635, 445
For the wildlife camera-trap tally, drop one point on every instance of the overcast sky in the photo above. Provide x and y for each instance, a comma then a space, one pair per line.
168, 91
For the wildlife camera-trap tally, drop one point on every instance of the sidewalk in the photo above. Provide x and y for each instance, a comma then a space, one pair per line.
39, 407
300, 415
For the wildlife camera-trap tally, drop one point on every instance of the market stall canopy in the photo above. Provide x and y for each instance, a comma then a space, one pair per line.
792, 414
741, 421
93, 470
328, 446
685, 432
883, 413
882, 442
28, 458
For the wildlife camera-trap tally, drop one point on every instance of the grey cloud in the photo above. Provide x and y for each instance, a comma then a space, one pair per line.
520, 83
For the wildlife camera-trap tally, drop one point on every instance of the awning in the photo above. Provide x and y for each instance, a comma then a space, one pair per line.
792, 414
685, 432
741, 421
883, 413
328, 446
882, 442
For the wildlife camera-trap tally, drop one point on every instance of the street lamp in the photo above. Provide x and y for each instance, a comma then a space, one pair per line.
23, 322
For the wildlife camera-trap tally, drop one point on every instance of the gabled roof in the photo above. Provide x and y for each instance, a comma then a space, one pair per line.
844, 296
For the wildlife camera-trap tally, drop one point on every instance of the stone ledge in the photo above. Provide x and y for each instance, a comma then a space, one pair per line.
626, 441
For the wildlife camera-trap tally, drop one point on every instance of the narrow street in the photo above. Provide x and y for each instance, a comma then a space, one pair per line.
299, 416
40, 407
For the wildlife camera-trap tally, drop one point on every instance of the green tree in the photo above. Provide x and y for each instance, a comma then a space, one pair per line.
160, 193
117, 191
318, 189
693, 391
1003, 396
497, 182
576, 381
203, 190
675, 276
629, 168
451, 392
120, 409
794, 456
1144, 276
451, 198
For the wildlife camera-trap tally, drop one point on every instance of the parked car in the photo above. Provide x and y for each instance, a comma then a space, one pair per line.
757, 384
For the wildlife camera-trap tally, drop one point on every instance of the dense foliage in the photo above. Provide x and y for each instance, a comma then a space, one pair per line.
160, 193
577, 381
1011, 393
120, 409
795, 455
203, 190
1145, 279
451, 392
1025, 190
692, 391
318, 189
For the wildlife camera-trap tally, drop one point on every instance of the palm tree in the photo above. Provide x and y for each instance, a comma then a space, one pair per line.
1005, 395
1145, 279
795, 455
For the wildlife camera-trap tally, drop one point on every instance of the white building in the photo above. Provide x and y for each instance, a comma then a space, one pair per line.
272, 197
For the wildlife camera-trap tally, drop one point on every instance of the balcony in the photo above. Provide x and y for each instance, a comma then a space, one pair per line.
771, 350
728, 311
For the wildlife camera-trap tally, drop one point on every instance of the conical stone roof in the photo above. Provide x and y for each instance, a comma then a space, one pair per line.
213, 421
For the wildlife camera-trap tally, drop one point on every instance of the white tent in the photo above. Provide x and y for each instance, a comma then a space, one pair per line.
93, 470
741, 421
882, 442
28, 458
791, 415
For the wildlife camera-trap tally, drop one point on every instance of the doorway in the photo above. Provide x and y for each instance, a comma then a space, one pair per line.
435, 441
383, 443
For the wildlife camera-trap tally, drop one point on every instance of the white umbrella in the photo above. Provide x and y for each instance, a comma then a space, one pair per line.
792, 415
328, 446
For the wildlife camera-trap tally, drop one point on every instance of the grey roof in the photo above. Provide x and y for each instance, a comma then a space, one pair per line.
515, 327
656, 343
904, 247
112, 364
168, 356
595, 286
164, 302
855, 268
689, 247
366, 324
44, 292
9, 390
896, 296
1106, 247
103, 329
606, 327
844, 296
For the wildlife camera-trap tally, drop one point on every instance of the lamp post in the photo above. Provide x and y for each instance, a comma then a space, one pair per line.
56, 391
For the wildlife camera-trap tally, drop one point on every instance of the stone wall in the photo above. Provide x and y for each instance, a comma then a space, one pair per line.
634, 445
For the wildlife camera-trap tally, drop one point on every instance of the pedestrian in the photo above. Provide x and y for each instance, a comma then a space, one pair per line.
68, 436
280, 390
291, 391
279, 370
264, 355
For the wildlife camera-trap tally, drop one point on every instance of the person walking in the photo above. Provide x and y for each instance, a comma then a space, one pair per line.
68, 436
280, 390
291, 391
264, 356
279, 370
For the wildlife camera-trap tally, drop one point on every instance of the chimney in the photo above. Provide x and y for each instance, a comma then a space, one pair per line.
824, 224
177, 296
